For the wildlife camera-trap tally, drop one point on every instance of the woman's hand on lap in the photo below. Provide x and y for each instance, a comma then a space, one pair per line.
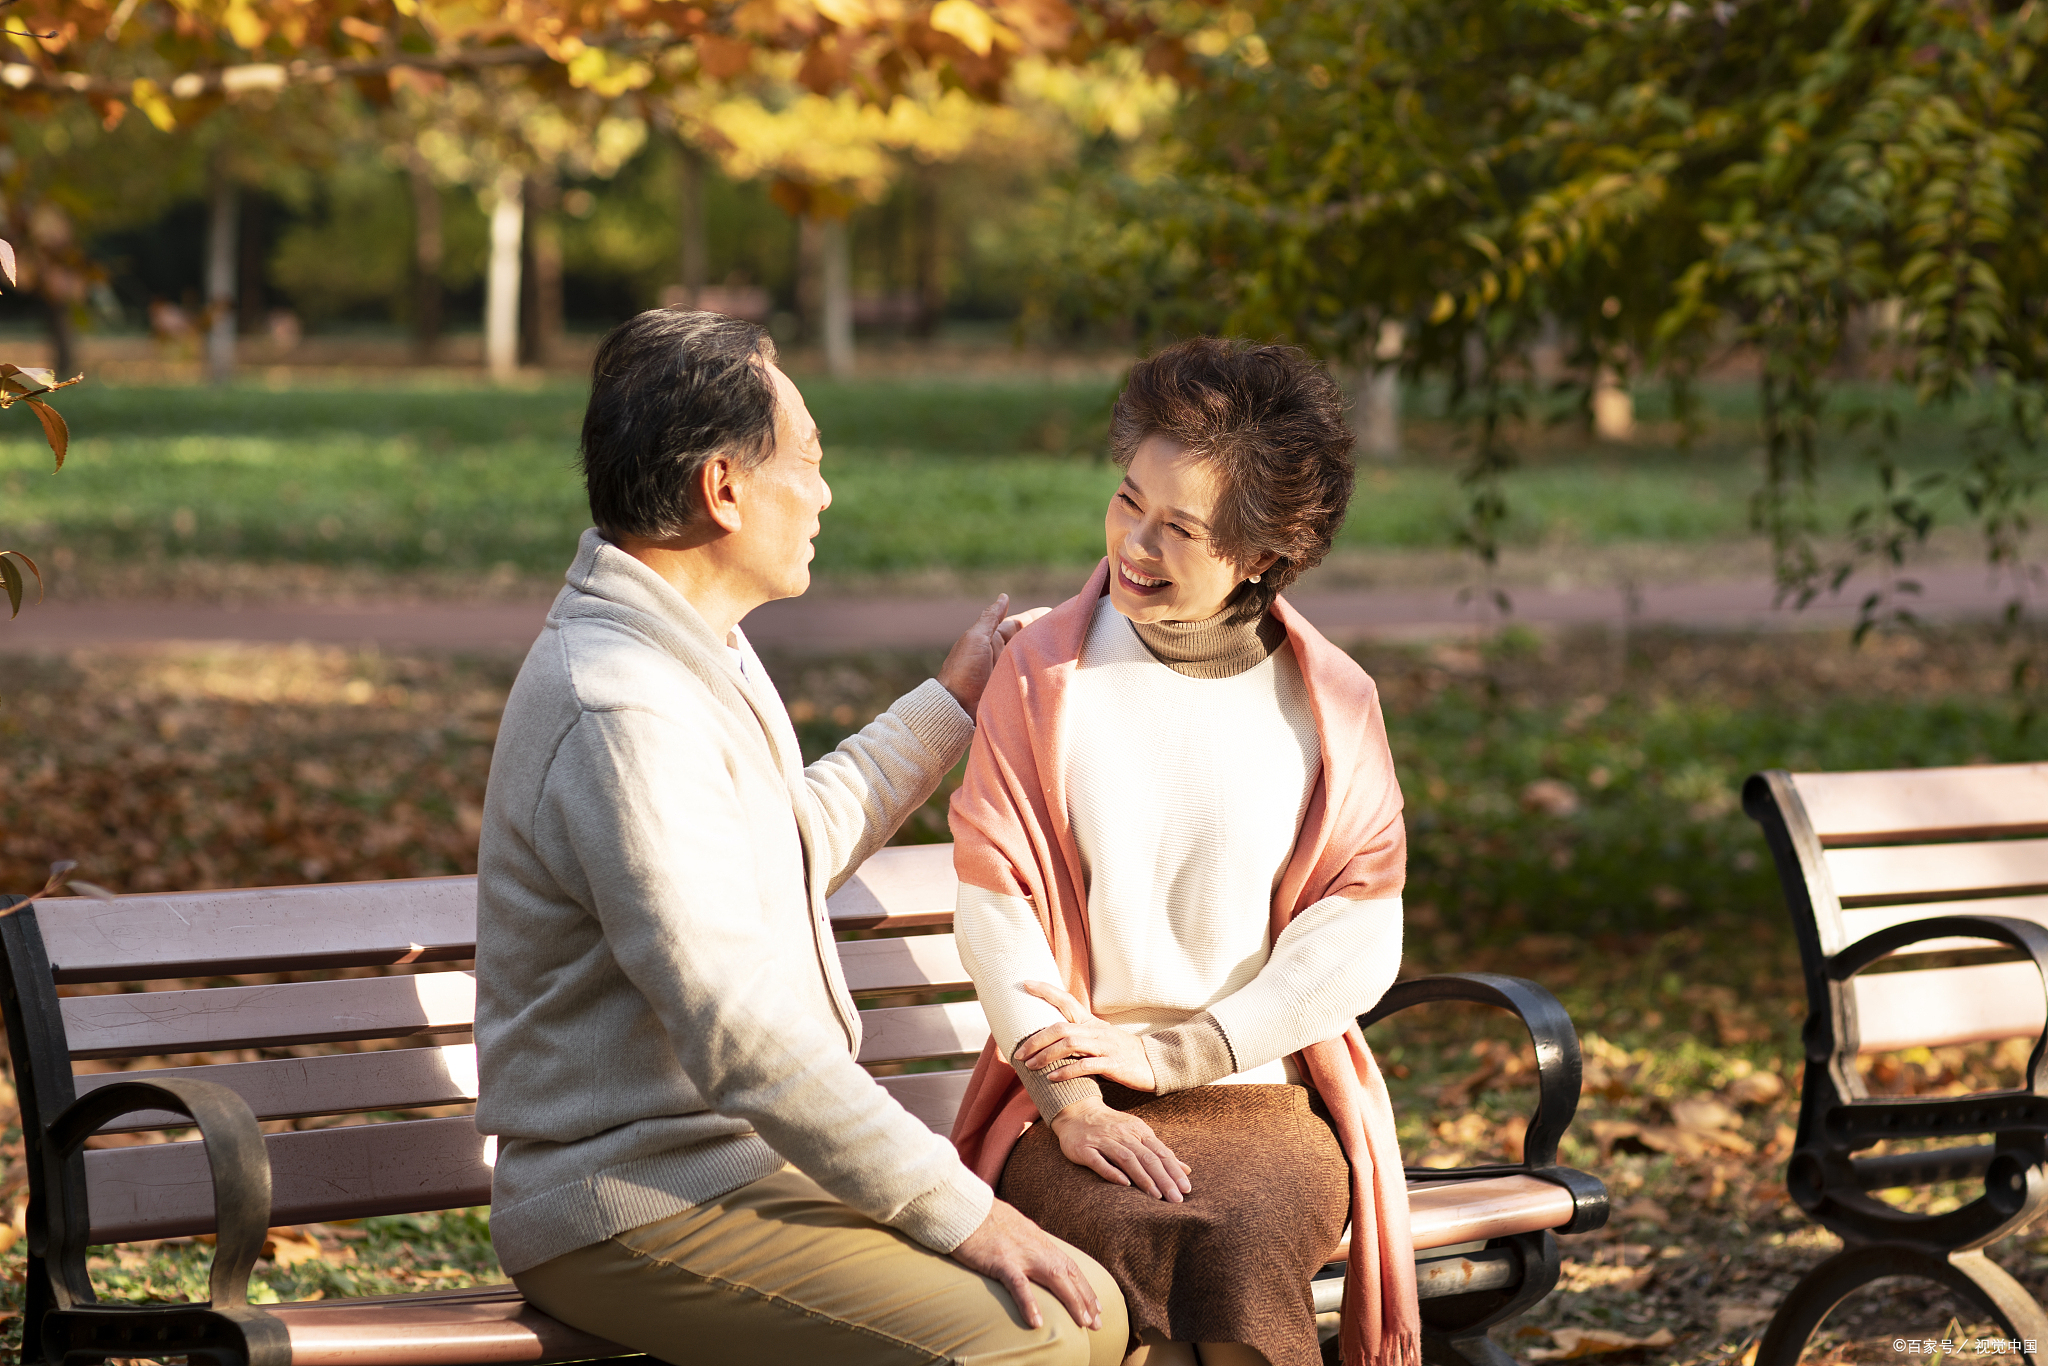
1121, 1149
1084, 1046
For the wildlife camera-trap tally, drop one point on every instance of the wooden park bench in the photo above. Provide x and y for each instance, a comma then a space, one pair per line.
1483, 1236
1910, 872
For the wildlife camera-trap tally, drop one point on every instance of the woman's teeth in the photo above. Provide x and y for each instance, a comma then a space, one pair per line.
1142, 581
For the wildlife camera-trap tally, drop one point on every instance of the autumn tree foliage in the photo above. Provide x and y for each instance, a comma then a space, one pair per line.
1651, 187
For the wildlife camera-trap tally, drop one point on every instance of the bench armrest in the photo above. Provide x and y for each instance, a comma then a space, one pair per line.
2024, 935
1559, 1074
234, 1151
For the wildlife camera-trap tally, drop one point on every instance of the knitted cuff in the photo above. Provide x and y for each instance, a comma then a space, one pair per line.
1190, 1054
1051, 1097
937, 720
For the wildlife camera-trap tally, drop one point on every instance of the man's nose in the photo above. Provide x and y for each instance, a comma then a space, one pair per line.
825, 490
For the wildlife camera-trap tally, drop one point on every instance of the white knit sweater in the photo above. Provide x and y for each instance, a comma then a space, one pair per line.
1185, 796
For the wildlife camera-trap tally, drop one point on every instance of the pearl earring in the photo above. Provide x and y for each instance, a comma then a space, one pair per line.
1256, 577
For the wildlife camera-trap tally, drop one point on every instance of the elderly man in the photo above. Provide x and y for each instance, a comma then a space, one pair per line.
690, 1161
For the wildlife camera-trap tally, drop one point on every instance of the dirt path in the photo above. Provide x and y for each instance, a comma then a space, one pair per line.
824, 623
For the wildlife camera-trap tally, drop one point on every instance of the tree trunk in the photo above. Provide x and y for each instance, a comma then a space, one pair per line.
63, 335
837, 261
931, 276
220, 271
501, 284
695, 262
1377, 417
540, 319
810, 279
426, 258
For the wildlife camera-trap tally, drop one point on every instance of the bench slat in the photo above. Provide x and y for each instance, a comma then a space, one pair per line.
933, 1097
260, 929
1441, 1213
484, 1325
926, 962
141, 1024
903, 1033
1925, 804
1938, 1006
1934, 870
902, 887
294, 1088
1859, 924
164, 1190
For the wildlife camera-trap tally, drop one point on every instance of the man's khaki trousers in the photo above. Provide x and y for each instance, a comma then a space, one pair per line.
779, 1271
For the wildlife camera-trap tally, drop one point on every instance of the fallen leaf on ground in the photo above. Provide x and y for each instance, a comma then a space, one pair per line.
1648, 1211
1585, 1342
1703, 1113
1758, 1088
1686, 1144
1733, 1318
290, 1246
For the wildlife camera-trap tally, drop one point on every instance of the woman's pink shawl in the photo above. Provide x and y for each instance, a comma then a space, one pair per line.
1010, 835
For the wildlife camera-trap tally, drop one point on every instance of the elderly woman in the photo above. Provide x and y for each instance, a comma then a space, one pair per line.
1180, 852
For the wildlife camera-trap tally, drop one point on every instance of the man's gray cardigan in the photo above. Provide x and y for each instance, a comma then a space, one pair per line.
661, 1017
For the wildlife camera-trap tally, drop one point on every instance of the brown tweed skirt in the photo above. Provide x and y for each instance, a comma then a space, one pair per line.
1232, 1262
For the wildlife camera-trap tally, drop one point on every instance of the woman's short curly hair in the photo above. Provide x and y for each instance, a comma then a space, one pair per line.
1272, 423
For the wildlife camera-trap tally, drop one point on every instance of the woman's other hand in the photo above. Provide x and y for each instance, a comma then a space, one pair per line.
1089, 1047
1121, 1149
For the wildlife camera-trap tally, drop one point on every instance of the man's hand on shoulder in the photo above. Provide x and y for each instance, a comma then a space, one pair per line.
1014, 1252
972, 660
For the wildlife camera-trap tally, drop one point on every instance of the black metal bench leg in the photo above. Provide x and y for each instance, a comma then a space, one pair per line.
1454, 1328
1972, 1275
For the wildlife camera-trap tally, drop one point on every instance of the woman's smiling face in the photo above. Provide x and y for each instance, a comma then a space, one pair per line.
1162, 563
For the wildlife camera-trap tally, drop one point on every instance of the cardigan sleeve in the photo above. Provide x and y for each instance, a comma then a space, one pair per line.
863, 790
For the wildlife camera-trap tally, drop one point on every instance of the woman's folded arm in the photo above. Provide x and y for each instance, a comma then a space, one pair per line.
1002, 947
1330, 965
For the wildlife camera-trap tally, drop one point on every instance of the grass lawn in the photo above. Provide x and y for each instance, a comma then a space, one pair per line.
954, 476
1573, 819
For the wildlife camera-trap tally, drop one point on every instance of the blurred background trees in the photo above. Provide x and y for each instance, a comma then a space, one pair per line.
262, 168
1533, 213
1542, 206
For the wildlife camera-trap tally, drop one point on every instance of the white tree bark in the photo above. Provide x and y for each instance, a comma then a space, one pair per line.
501, 284
223, 209
1377, 418
1614, 408
835, 262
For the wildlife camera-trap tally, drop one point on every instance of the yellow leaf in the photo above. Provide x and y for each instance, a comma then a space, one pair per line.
245, 25
1444, 307
148, 96
967, 21
597, 70
847, 13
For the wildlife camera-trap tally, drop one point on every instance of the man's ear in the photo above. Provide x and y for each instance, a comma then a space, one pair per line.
718, 486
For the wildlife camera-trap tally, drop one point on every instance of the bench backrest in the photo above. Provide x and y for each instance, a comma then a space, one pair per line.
420, 932
1858, 852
